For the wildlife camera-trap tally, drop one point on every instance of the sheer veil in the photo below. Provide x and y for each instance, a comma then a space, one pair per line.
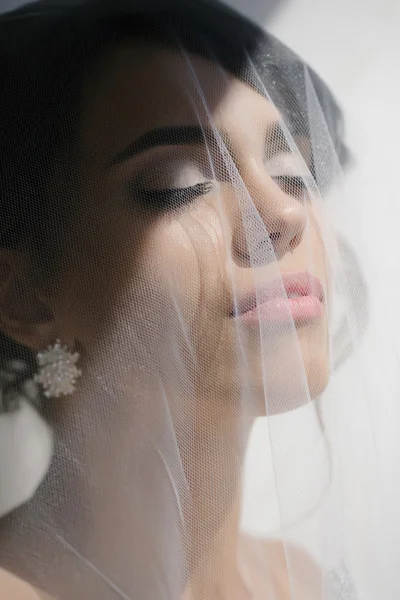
172, 183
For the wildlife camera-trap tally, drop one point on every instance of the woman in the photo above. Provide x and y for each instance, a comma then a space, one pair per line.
160, 174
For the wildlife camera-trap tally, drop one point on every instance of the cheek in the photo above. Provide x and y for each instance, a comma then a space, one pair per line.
164, 270
187, 256
314, 251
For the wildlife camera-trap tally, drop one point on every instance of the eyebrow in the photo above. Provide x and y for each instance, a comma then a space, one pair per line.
195, 134
183, 135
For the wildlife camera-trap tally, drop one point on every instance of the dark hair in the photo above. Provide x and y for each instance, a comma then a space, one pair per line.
46, 49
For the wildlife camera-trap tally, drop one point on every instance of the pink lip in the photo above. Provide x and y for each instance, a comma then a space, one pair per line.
273, 302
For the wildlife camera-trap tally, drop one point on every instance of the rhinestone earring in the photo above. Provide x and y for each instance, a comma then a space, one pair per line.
58, 372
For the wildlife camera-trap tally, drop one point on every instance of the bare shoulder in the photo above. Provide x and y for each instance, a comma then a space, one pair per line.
13, 588
286, 570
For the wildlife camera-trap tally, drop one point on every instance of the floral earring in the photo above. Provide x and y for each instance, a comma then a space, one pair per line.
58, 372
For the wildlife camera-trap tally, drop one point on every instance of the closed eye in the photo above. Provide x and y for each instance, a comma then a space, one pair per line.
170, 199
293, 185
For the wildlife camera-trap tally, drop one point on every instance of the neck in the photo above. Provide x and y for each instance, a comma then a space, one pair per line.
218, 576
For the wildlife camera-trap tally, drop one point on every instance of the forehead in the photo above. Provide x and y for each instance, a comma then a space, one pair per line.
135, 88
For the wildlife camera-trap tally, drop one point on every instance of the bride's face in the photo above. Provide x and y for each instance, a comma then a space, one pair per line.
187, 210
184, 171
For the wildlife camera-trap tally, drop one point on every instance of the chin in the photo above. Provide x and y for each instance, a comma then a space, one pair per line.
314, 347
288, 376
318, 377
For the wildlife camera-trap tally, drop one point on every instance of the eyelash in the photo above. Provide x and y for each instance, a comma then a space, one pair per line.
169, 199
293, 185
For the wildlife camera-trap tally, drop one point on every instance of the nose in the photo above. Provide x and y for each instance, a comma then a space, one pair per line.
267, 222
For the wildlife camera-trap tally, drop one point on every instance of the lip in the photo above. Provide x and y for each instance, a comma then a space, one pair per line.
289, 297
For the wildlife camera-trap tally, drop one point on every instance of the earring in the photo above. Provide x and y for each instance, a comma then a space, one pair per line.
57, 371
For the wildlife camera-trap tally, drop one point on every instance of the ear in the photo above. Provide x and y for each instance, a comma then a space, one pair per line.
25, 316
